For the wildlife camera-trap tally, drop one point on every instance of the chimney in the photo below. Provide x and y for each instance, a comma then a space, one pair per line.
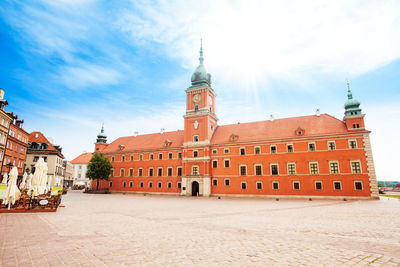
271, 117
1, 93
318, 112
135, 134
162, 130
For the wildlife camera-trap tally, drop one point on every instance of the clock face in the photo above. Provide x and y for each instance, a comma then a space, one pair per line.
196, 98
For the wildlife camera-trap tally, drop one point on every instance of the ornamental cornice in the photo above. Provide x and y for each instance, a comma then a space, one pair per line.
205, 112
207, 158
197, 144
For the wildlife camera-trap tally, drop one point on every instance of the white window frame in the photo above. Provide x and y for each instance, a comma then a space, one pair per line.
226, 150
352, 140
216, 182
259, 182
139, 172
255, 148
240, 151
311, 143
287, 148
197, 152
212, 163
198, 170
130, 184
270, 149
255, 169
336, 181
194, 138
243, 183
351, 166
158, 172
334, 144
287, 166
240, 171
294, 183
229, 181
229, 160
120, 172
338, 167
215, 151
131, 169
272, 184
169, 184
309, 167
148, 172
362, 185
315, 185
177, 171
172, 171
270, 167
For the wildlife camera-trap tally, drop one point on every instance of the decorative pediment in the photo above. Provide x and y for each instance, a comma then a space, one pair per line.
300, 131
121, 147
233, 137
167, 142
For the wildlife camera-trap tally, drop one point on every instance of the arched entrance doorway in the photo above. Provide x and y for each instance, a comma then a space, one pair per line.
195, 188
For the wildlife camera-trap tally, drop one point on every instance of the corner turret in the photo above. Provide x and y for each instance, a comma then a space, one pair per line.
101, 141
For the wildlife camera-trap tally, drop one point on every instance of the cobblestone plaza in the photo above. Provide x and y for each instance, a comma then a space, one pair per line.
123, 230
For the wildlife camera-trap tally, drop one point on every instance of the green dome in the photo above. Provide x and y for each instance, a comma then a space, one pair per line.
200, 75
351, 103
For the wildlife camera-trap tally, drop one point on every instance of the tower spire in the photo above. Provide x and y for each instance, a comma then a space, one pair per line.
201, 58
349, 94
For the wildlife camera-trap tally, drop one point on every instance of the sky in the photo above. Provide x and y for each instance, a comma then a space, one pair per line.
69, 65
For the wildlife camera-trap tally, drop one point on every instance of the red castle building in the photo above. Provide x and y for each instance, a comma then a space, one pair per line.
317, 156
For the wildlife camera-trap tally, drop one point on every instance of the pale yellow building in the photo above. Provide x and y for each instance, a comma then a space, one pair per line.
5, 121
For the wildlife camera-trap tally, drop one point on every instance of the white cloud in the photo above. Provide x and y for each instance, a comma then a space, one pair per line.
87, 75
262, 39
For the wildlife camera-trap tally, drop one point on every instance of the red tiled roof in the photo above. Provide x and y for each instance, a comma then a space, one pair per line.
280, 128
83, 158
40, 139
146, 141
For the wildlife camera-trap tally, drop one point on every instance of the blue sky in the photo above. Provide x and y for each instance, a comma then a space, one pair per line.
69, 65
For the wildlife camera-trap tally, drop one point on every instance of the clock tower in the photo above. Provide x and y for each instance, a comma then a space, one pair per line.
200, 124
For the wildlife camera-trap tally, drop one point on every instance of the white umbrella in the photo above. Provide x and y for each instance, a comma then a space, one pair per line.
40, 169
5, 177
23, 183
12, 191
29, 181
49, 180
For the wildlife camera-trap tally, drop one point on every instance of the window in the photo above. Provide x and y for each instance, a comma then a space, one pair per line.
140, 172
259, 185
352, 144
258, 169
179, 171
159, 171
141, 157
123, 158
110, 184
244, 185
159, 184
296, 185
36, 158
273, 149
337, 185
289, 148
160, 156
195, 170
179, 184
196, 107
195, 154
124, 184
131, 172
331, 145
275, 185
274, 169
151, 172
226, 150
150, 184
179, 155
195, 138
215, 182
169, 171
112, 159
355, 167
151, 156
214, 151
112, 172
257, 150
334, 167
215, 163
122, 172
243, 170
242, 151
131, 157
141, 184
170, 155
226, 163
130, 184
358, 185
169, 185
313, 168
291, 168
311, 147
227, 182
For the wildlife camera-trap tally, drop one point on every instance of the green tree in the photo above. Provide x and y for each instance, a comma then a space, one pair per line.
99, 168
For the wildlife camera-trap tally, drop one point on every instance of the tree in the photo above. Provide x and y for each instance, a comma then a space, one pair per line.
99, 168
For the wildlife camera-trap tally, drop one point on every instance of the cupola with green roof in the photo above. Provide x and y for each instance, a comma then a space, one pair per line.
352, 106
200, 76
101, 137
